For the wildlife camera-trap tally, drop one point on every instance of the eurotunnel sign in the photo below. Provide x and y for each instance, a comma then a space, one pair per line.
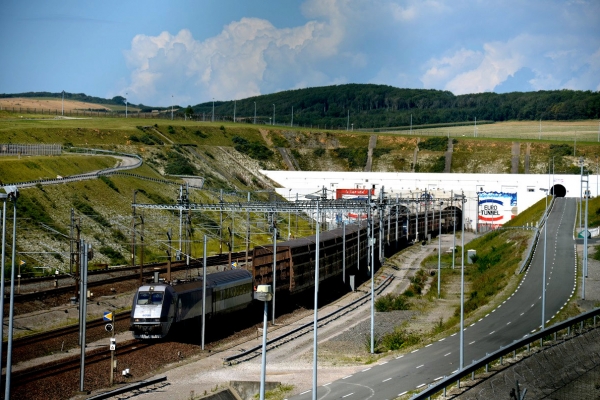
496, 208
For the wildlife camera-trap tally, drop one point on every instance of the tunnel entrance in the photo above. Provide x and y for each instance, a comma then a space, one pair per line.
558, 191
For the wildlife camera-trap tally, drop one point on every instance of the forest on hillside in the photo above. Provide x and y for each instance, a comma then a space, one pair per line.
379, 106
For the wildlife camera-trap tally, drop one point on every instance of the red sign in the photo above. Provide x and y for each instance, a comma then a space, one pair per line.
352, 193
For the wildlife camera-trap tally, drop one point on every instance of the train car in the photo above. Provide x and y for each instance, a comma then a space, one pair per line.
158, 306
295, 259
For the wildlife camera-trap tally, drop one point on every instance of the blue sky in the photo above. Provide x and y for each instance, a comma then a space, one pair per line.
187, 52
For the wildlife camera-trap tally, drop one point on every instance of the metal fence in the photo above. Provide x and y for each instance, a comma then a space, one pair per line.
10, 149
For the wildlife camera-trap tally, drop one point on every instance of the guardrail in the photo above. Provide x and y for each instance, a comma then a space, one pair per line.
525, 343
128, 388
533, 243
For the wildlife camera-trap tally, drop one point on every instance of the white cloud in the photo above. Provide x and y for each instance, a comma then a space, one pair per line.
247, 57
415, 9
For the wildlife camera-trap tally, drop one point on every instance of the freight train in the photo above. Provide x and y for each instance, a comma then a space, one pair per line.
158, 306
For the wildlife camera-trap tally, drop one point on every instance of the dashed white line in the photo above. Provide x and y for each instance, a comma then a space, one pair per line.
422, 365
492, 332
346, 377
403, 393
414, 351
399, 357
308, 391
447, 354
349, 394
472, 342
429, 344
421, 385
365, 370
385, 380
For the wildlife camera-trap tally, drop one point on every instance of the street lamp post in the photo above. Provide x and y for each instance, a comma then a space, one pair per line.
292, 123
12, 194
263, 293
316, 300
544, 269
213, 111
273, 114
126, 105
171, 107
63, 104
254, 113
4, 197
440, 250
462, 285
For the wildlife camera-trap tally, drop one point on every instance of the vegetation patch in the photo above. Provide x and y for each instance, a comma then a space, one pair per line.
438, 143
109, 183
391, 302
115, 257
86, 209
177, 164
355, 156
255, 150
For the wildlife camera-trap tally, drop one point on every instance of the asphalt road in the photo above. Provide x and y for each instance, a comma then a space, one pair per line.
516, 317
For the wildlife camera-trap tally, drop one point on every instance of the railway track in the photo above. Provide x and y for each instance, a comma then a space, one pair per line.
306, 328
34, 288
129, 353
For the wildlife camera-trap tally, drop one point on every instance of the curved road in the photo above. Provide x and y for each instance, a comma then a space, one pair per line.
516, 317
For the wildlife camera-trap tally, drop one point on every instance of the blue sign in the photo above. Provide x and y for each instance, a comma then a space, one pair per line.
108, 316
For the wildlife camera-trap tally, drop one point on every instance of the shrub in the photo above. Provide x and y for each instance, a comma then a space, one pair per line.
379, 151
320, 152
170, 129
109, 183
198, 133
114, 256
438, 143
89, 211
134, 138
356, 156
397, 339
177, 164
390, 302
254, 150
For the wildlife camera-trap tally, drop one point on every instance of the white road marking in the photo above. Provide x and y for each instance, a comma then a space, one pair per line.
492, 332
422, 365
429, 345
349, 394
399, 357
308, 391
346, 377
421, 385
385, 380
472, 342
403, 393
365, 370
447, 354
414, 351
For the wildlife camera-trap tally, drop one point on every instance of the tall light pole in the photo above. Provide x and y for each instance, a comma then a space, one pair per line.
234, 107
63, 104
292, 123
580, 191
254, 113
462, 284
440, 249
125, 104
171, 107
316, 312
213, 111
544, 269
453, 229
263, 293
13, 194
273, 114
4, 197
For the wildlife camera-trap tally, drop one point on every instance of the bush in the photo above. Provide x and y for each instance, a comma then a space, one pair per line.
115, 257
438, 143
109, 183
89, 211
320, 152
177, 164
390, 302
134, 138
356, 156
199, 133
397, 339
254, 150
170, 129
380, 151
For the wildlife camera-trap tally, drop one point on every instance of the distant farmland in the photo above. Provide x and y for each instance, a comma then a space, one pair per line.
56, 104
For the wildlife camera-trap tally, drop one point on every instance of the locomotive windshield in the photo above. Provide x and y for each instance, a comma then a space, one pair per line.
150, 298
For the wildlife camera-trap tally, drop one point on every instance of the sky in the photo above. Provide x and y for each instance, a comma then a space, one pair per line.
186, 52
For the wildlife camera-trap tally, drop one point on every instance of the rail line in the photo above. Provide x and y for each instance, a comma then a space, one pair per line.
306, 328
149, 269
